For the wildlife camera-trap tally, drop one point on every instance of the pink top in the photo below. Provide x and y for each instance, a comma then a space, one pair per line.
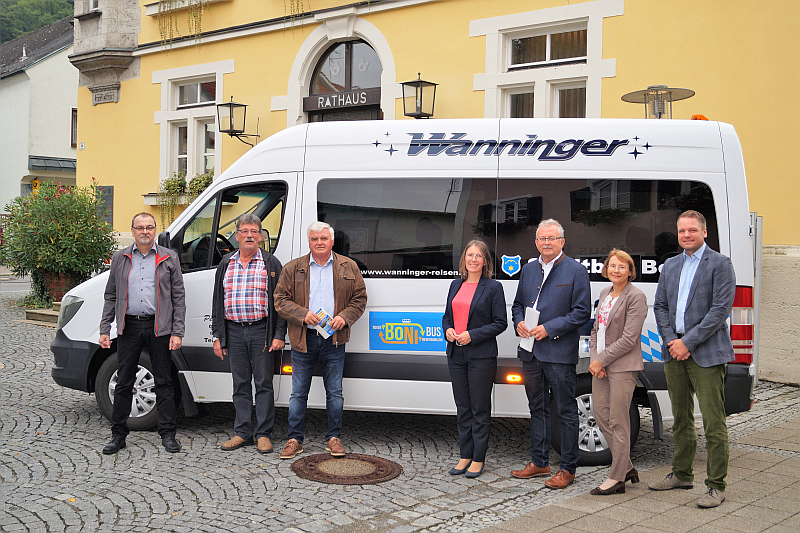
461, 303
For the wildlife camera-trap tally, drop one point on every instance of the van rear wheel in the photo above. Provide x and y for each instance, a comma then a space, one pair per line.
143, 405
592, 444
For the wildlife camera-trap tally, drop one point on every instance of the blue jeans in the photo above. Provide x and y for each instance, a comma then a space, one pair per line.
249, 357
541, 380
331, 358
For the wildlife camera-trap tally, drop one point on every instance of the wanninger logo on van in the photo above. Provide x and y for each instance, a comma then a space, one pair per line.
547, 150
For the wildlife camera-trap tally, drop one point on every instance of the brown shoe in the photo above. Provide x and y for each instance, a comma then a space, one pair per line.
292, 448
234, 443
531, 470
561, 480
264, 445
335, 447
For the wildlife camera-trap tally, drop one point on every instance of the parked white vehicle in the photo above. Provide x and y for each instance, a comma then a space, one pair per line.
404, 198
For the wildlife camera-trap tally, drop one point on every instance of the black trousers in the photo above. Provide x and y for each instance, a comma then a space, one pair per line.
139, 334
472, 381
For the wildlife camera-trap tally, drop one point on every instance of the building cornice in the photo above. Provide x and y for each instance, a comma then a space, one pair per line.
280, 24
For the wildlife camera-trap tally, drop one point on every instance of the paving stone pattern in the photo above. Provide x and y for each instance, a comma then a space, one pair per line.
53, 476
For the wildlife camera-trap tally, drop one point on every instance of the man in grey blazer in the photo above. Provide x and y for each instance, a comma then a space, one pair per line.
693, 301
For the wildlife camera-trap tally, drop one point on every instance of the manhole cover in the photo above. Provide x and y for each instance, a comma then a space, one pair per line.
352, 469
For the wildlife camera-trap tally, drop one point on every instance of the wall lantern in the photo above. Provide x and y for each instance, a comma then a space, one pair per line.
657, 99
232, 116
418, 98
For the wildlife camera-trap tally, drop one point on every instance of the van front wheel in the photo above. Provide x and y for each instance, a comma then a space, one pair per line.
592, 443
143, 406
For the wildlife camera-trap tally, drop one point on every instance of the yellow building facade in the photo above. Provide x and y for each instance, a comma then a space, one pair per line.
258, 54
148, 111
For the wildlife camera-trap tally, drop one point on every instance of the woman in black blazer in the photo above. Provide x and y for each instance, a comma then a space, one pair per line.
473, 318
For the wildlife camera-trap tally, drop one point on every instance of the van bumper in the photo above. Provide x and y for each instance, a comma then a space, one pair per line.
72, 360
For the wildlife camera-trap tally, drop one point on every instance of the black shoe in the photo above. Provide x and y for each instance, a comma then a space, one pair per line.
470, 474
116, 444
458, 471
171, 444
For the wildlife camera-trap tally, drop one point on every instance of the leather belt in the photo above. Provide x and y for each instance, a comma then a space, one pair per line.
141, 317
252, 323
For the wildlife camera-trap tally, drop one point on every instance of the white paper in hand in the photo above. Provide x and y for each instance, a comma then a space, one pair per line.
531, 321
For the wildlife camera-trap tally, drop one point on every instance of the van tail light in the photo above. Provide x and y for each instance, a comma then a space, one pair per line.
742, 327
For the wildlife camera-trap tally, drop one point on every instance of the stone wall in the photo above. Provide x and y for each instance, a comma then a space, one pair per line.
779, 355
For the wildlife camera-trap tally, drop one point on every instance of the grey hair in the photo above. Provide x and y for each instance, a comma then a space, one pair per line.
319, 226
551, 222
248, 218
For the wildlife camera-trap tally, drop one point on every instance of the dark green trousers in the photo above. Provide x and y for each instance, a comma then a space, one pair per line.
685, 379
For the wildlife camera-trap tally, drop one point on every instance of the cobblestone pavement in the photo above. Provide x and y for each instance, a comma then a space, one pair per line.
54, 478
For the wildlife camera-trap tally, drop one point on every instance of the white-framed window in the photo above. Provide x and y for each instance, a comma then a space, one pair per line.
74, 130
181, 150
520, 102
513, 210
611, 194
209, 143
188, 118
546, 47
554, 54
199, 93
94, 5
568, 99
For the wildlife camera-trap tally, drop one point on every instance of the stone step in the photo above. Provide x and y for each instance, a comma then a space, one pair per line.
41, 315
56, 306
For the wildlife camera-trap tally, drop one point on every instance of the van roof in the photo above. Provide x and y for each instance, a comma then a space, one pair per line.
623, 146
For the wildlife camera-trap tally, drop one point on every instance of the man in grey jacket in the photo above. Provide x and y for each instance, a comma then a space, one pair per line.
145, 293
693, 301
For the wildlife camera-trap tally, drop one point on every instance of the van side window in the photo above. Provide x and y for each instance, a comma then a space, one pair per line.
406, 228
637, 216
211, 233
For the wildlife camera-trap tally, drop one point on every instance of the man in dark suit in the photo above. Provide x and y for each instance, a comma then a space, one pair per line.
558, 287
693, 301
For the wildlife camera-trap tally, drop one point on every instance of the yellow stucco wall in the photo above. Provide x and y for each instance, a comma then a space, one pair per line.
738, 57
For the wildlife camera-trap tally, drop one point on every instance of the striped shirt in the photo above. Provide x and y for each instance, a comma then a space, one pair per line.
245, 290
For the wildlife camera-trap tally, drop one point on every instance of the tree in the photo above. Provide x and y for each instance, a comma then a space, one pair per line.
18, 17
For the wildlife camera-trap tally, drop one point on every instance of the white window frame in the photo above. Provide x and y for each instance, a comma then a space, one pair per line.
193, 116
498, 83
614, 195
555, 95
548, 31
196, 83
508, 93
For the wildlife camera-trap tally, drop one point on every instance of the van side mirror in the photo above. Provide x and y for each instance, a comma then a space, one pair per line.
163, 239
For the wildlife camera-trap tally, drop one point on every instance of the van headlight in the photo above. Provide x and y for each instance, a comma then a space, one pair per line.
69, 306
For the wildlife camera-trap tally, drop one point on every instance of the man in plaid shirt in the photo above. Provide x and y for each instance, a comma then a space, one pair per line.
247, 329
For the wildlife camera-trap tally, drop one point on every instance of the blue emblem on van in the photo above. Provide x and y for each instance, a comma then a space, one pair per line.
511, 264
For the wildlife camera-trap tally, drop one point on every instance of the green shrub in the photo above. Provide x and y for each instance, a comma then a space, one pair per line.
60, 230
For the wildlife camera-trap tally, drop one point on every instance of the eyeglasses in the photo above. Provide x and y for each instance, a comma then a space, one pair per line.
474, 256
249, 232
620, 268
548, 239
144, 228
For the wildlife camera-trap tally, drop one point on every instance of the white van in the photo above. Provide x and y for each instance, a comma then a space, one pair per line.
404, 197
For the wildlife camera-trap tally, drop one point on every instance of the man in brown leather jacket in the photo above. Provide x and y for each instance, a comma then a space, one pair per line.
331, 282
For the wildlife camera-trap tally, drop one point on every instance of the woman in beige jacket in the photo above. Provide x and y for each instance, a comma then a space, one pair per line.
616, 358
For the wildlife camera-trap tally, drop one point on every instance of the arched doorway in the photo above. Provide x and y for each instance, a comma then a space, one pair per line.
346, 84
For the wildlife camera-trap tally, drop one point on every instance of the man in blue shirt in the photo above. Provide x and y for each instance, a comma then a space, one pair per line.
558, 288
323, 280
693, 301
